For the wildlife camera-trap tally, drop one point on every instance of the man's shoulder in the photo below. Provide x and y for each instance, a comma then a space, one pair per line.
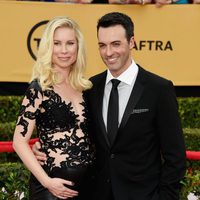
98, 77
153, 77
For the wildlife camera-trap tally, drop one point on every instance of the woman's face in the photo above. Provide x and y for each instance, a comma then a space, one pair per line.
65, 48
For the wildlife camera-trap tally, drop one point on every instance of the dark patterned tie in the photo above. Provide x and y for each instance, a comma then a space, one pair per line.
113, 111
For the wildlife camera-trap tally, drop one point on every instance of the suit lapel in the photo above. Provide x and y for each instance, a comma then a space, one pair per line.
134, 97
99, 104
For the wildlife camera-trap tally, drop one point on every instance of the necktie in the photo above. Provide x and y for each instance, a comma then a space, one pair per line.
113, 111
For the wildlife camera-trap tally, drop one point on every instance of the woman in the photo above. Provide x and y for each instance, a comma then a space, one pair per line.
55, 105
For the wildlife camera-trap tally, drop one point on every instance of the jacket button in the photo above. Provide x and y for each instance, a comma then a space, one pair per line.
112, 155
108, 180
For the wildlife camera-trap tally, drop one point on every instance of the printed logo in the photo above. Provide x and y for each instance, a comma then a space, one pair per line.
153, 45
34, 37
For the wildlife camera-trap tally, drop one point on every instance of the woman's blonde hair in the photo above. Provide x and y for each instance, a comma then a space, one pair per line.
43, 70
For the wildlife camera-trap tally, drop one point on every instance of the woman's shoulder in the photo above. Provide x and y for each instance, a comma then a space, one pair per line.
34, 84
34, 89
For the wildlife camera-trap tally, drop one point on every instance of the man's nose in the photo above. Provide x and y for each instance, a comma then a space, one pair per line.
109, 51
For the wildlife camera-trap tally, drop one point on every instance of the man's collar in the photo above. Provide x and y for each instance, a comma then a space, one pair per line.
127, 76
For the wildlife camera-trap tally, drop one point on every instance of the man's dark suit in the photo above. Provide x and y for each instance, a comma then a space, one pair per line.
132, 164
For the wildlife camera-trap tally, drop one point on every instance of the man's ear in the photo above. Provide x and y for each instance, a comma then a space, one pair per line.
132, 42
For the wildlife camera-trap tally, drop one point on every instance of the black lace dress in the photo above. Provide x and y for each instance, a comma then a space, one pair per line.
63, 135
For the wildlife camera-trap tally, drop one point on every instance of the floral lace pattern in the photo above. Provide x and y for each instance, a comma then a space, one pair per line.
63, 134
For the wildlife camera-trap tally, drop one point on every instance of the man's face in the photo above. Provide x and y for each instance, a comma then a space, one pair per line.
114, 48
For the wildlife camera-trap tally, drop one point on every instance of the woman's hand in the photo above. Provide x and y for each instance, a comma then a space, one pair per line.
57, 187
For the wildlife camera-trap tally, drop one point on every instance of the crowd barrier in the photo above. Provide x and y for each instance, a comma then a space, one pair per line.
193, 155
7, 147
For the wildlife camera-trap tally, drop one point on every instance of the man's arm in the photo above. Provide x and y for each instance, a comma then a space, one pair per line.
41, 157
172, 144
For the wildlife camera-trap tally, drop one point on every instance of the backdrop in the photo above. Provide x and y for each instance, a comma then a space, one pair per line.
167, 38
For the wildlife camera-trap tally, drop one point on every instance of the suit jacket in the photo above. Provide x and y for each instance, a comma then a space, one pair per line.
146, 160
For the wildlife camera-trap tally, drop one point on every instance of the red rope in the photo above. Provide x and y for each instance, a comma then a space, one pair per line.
193, 155
7, 147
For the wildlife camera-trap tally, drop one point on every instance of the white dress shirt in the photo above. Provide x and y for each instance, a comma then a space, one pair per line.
125, 87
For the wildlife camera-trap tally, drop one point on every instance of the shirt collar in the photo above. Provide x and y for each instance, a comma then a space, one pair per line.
127, 76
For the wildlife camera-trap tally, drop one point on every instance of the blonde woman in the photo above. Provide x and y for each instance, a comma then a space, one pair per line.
54, 103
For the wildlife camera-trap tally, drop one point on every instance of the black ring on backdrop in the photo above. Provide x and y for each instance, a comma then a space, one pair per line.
30, 35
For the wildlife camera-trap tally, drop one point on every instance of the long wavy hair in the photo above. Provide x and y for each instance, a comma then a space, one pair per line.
43, 69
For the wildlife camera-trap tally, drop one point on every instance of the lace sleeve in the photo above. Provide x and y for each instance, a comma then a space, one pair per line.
29, 108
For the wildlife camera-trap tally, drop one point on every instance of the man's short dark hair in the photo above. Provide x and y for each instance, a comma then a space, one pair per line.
116, 18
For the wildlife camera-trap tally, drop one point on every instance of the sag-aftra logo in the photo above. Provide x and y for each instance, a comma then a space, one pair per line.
34, 37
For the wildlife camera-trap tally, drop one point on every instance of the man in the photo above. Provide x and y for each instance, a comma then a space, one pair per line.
144, 157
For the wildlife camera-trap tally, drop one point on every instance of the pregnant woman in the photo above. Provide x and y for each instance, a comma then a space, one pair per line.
54, 104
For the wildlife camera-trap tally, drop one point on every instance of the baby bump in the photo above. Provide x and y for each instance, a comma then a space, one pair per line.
74, 174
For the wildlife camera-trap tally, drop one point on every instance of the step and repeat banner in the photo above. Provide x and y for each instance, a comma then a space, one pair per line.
167, 39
